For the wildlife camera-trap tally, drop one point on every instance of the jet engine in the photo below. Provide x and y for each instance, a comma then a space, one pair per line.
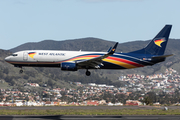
69, 66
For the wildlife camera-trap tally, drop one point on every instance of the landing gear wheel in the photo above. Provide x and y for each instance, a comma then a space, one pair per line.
88, 73
21, 71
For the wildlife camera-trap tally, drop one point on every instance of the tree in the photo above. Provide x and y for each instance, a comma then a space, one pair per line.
27, 98
148, 100
121, 98
113, 100
152, 96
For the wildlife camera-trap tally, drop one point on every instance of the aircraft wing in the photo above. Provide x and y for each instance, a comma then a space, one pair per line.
95, 62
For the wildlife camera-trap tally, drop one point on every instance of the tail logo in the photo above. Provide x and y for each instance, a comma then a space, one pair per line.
158, 42
31, 54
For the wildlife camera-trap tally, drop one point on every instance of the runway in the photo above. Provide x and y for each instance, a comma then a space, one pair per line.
68, 117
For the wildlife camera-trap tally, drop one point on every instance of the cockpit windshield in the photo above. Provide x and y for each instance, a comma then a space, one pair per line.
14, 54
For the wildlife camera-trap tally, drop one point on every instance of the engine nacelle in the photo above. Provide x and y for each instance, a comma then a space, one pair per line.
68, 66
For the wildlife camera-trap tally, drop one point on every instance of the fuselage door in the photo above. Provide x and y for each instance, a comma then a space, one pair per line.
25, 56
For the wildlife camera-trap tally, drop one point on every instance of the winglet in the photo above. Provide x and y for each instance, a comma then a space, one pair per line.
112, 49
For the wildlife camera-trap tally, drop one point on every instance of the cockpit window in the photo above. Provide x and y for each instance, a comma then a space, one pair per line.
14, 54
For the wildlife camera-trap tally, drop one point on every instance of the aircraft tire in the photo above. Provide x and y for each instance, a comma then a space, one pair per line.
21, 71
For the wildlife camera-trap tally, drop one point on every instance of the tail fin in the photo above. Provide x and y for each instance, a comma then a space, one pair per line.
158, 45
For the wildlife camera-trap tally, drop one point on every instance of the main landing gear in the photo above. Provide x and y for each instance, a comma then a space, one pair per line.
21, 71
88, 73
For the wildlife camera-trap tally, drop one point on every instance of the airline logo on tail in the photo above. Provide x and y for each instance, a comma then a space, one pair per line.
158, 42
31, 54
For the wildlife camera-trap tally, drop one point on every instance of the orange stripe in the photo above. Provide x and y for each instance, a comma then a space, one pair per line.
126, 61
125, 65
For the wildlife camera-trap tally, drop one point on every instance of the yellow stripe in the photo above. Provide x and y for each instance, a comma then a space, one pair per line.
125, 65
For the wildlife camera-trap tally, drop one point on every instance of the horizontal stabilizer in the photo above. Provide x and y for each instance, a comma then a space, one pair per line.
162, 56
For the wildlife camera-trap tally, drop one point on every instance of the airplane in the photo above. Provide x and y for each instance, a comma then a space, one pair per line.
73, 60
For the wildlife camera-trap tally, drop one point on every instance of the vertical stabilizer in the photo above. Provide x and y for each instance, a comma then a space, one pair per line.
157, 45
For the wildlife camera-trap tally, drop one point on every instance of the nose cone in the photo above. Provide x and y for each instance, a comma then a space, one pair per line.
7, 59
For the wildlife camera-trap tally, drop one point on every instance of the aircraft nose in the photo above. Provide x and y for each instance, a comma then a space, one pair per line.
7, 59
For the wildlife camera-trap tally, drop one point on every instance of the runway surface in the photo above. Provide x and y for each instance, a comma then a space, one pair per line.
62, 117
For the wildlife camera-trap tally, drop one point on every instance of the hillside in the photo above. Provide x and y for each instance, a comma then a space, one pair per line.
54, 77
84, 44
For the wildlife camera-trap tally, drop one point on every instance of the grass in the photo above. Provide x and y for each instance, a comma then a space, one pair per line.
91, 112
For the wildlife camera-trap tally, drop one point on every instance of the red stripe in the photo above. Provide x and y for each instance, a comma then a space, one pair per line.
125, 61
31, 53
158, 40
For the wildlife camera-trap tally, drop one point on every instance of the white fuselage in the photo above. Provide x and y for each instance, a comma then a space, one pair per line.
49, 56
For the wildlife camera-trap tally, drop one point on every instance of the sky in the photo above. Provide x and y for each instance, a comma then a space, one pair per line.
23, 21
